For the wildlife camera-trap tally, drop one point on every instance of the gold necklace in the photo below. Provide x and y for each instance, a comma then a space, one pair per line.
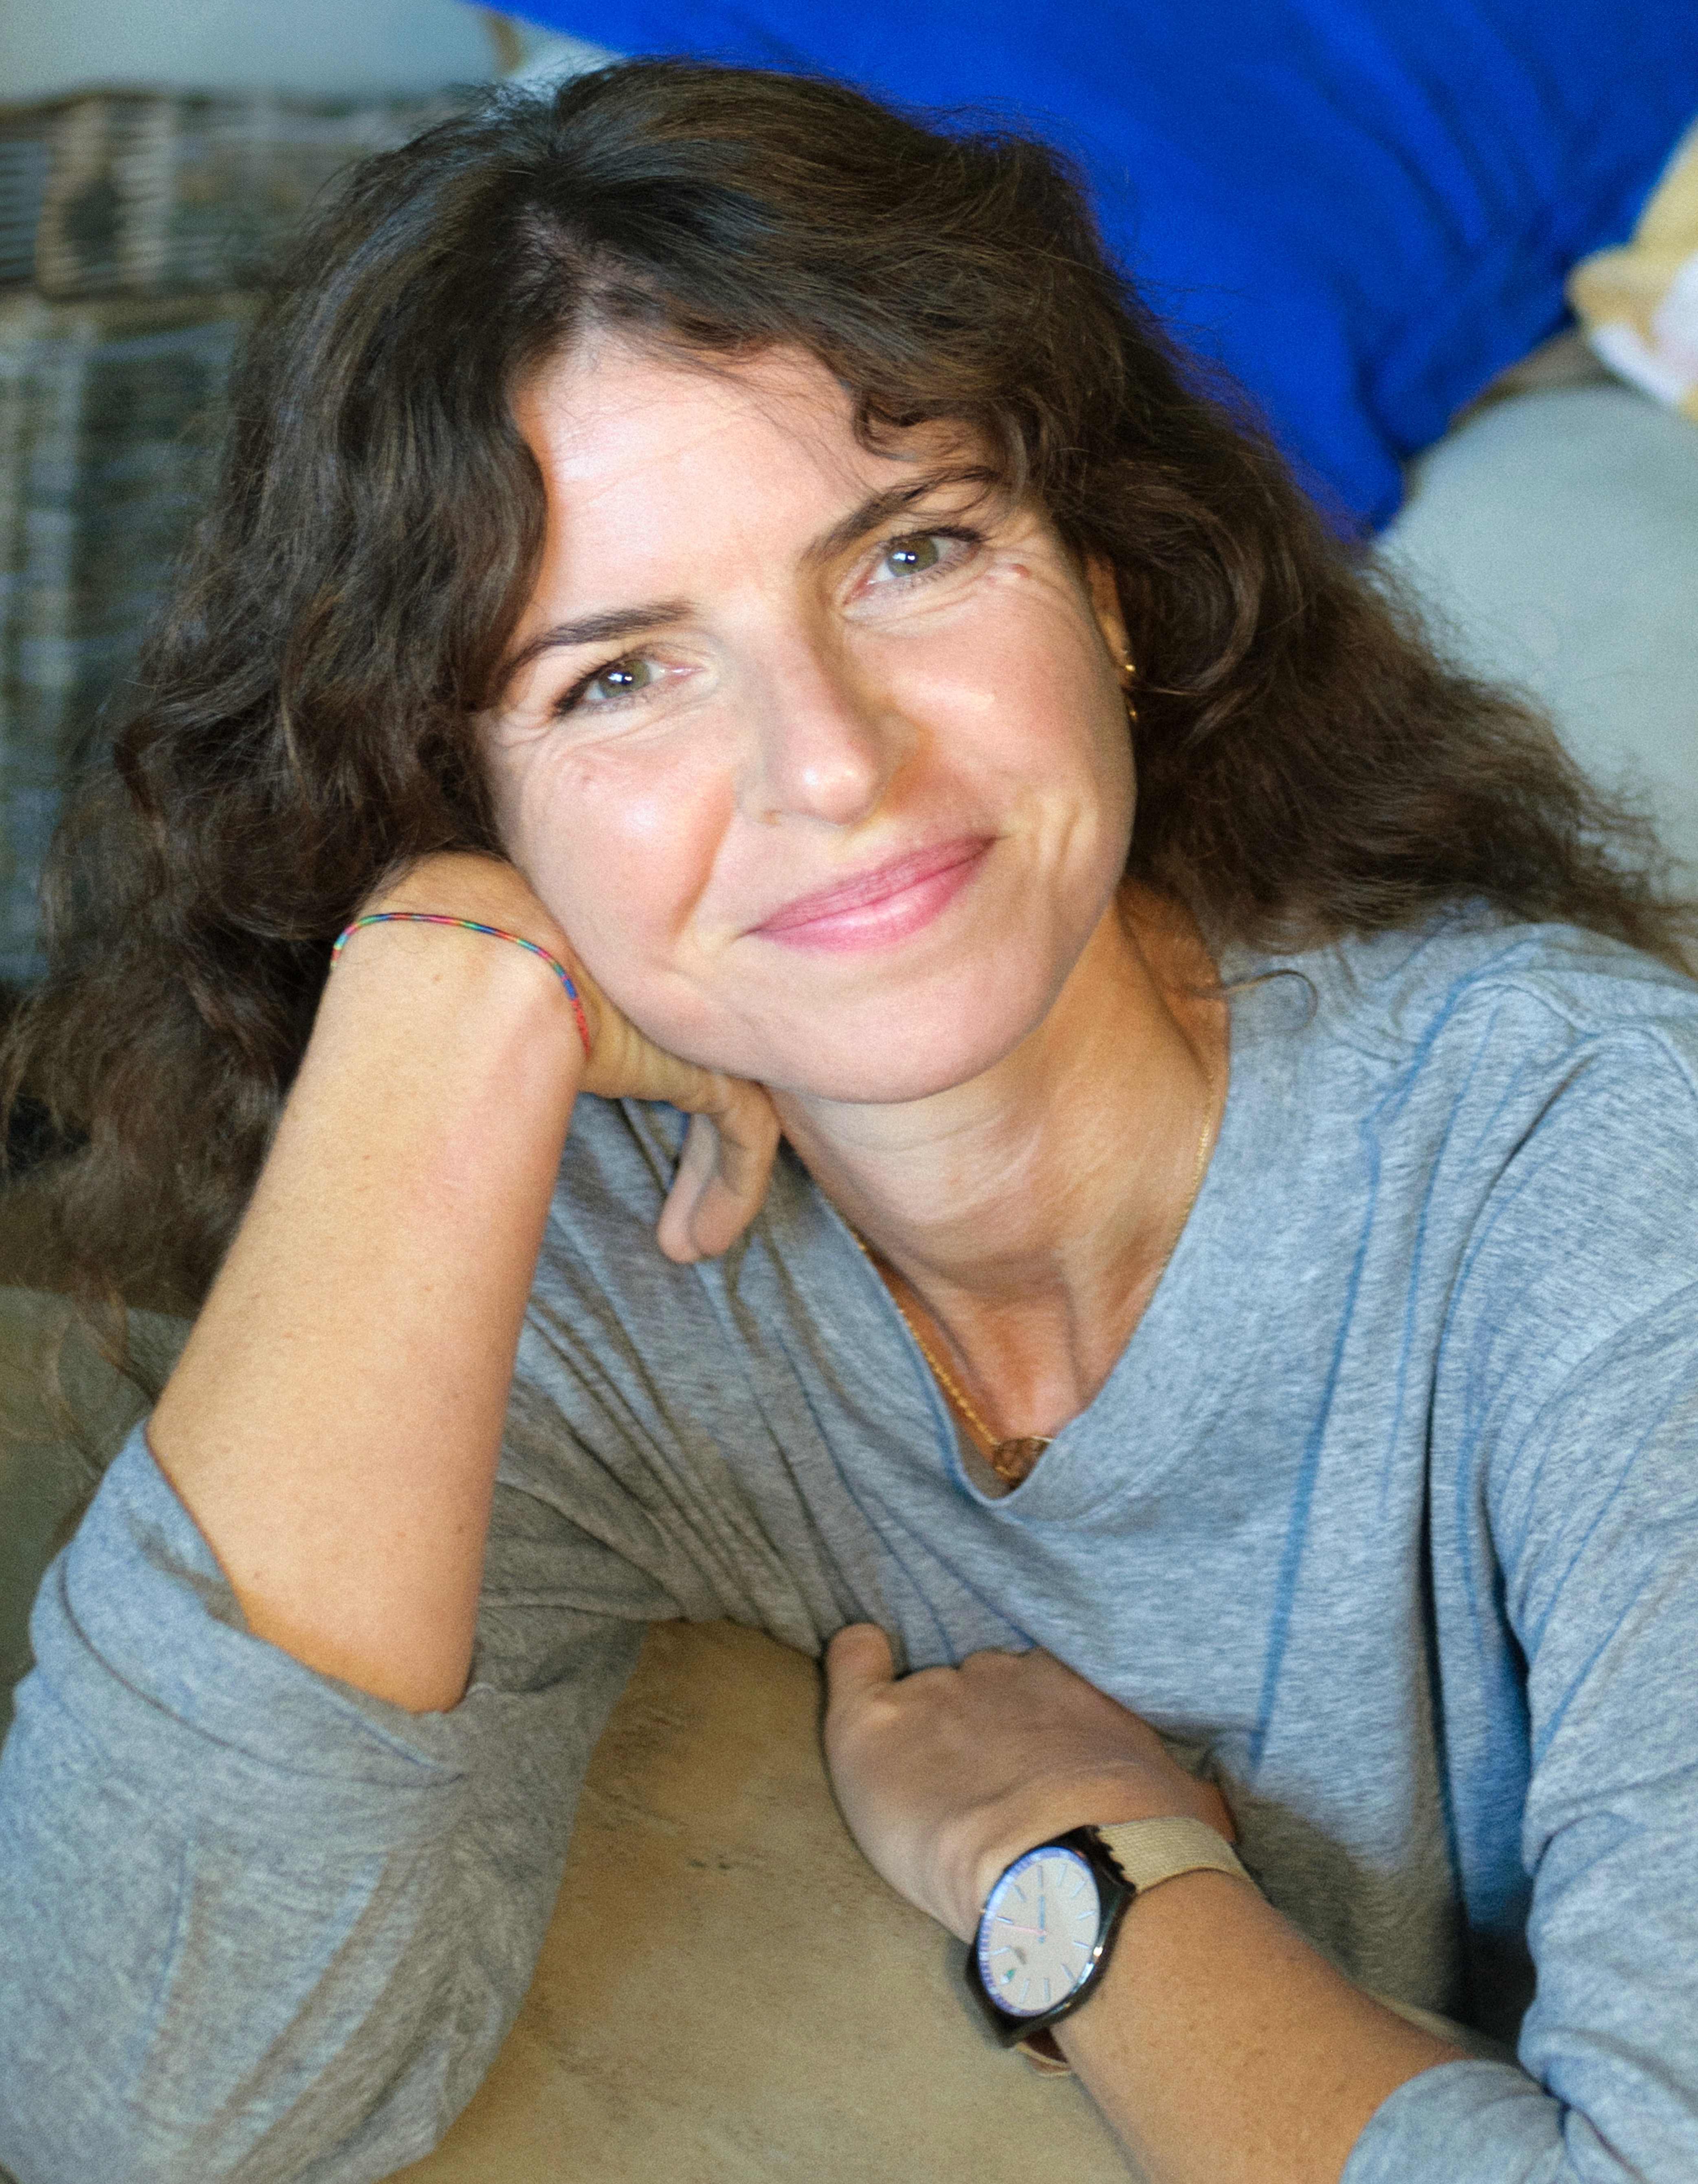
1013, 1461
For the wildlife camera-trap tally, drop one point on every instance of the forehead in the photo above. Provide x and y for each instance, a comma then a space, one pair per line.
633, 440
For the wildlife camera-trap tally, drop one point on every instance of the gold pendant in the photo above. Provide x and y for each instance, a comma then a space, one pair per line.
1014, 1460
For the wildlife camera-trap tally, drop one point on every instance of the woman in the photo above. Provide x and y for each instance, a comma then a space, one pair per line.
1182, 1241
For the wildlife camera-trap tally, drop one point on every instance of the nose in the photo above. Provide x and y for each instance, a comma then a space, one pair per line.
822, 744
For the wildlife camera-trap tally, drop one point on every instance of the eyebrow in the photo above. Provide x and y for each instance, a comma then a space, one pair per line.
616, 624
875, 511
608, 628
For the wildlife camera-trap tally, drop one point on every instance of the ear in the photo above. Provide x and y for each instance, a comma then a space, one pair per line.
1104, 591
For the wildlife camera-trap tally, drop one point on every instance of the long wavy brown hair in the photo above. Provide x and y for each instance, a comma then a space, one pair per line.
1307, 764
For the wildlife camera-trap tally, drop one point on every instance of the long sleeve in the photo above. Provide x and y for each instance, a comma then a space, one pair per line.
1574, 1352
255, 1925
1600, 1575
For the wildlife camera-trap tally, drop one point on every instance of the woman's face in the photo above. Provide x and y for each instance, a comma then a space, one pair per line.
819, 758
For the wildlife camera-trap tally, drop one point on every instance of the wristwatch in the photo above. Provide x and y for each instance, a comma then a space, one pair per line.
1048, 1924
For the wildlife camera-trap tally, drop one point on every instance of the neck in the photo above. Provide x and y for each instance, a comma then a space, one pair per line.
1024, 1219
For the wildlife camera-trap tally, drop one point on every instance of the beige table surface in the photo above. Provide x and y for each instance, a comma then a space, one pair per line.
729, 1995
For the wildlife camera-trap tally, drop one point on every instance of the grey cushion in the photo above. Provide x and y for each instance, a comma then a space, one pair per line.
1557, 537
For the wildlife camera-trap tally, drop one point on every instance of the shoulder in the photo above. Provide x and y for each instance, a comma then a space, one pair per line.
1537, 1044
1548, 1077
1394, 994
1469, 1016
1525, 1098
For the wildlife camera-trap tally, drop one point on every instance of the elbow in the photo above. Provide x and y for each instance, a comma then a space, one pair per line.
187, 2110
63, 2137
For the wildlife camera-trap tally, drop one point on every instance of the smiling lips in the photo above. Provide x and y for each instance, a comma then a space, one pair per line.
876, 908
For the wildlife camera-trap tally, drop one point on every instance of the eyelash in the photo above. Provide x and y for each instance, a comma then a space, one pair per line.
961, 534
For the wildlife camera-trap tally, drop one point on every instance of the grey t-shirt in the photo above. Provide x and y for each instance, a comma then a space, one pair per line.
1388, 1515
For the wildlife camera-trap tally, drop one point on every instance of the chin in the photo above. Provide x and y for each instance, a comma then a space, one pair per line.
889, 1065
905, 1040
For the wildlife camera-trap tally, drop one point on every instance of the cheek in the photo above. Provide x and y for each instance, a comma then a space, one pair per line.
1035, 704
619, 847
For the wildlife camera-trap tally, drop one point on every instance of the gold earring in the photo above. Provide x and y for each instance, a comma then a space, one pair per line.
1128, 668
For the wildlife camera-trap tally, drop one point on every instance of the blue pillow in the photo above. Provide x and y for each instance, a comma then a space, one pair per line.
1365, 208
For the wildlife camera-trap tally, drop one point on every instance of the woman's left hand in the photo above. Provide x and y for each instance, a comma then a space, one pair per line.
945, 1777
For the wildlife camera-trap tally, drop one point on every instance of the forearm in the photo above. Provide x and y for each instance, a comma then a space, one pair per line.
281, 1931
1224, 2049
1220, 2045
334, 1424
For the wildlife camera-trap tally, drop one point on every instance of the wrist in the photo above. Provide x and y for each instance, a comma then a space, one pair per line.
1049, 1810
423, 974
486, 896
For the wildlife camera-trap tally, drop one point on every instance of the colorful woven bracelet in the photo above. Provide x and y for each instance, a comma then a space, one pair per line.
469, 925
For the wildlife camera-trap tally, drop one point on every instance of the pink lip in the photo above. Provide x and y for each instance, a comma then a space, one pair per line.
878, 907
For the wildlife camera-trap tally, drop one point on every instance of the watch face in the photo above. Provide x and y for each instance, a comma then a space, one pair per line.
1038, 1936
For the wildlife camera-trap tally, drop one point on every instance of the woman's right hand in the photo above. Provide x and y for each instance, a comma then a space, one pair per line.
733, 1137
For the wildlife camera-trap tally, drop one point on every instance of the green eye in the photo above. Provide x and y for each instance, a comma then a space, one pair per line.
624, 679
912, 557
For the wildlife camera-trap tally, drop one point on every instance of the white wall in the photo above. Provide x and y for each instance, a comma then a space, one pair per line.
311, 46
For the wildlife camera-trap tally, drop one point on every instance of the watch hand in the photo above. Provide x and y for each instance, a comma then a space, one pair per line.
1037, 1931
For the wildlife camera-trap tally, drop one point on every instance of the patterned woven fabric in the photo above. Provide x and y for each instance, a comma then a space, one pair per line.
25, 158
110, 416
154, 193
132, 226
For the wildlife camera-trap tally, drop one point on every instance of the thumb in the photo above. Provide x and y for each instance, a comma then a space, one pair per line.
729, 1148
858, 1661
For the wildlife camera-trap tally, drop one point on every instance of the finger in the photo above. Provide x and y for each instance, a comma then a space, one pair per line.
722, 1174
858, 1660
675, 1231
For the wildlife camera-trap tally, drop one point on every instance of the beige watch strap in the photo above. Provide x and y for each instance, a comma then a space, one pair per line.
1151, 1851
1147, 1853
